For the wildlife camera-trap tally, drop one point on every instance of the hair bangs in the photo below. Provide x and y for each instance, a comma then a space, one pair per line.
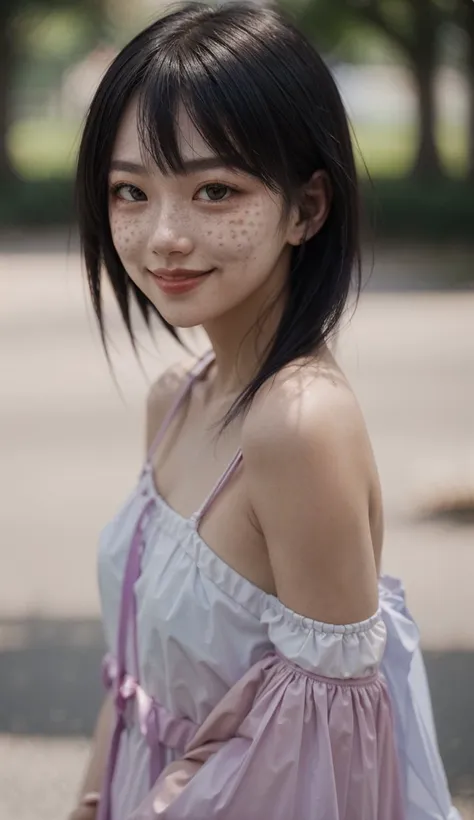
159, 99
205, 80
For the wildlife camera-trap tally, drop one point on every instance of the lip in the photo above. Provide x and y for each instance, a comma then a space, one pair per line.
178, 280
171, 274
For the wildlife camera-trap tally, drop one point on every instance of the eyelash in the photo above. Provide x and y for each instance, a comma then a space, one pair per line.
118, 186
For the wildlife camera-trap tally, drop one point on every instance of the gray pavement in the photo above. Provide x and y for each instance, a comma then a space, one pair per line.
72, 444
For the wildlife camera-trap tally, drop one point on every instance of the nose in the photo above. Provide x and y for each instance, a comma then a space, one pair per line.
170, 233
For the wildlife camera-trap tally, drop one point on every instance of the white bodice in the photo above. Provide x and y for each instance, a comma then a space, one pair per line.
201, 625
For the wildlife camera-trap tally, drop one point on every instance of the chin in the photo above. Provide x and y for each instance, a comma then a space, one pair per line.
184, 324
182, 319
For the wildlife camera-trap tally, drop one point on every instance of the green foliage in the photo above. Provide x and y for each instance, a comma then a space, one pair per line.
11, 10
43, 148
437, 211
341, 28
55, 34
37, 202
389, 150
333, 29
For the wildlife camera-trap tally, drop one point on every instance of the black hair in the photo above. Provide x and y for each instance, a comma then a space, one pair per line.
264, 100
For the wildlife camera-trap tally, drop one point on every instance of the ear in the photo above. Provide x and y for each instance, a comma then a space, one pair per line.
311, 212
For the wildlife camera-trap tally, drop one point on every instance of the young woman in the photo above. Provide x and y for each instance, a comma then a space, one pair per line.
260, 667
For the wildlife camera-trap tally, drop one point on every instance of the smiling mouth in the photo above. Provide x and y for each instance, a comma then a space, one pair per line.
177, 283
181, 277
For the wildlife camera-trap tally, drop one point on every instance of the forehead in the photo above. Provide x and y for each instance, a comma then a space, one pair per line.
128, 145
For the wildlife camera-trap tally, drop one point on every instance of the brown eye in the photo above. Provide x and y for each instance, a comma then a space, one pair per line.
216, 192
129, 193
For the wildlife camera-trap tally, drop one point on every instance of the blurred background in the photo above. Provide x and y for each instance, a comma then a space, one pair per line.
72, 437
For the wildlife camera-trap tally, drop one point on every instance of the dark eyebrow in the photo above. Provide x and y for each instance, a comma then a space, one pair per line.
190, 165
124, 165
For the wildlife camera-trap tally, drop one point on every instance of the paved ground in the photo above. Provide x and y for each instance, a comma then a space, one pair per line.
71, 445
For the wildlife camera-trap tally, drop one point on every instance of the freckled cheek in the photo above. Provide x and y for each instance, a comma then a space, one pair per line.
128, 234
242, 238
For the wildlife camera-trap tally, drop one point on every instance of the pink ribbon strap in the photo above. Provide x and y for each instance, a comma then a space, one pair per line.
157, 725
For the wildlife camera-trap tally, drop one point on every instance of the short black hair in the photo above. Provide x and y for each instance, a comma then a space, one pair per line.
265, 101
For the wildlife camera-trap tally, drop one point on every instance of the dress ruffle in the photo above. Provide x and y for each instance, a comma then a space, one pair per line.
333, 650
286, 744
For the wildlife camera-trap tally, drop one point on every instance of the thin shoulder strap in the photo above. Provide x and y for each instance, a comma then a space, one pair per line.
219, 485
193, 374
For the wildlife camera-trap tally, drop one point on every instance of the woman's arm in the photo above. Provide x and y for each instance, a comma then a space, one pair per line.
308, 473
95, 770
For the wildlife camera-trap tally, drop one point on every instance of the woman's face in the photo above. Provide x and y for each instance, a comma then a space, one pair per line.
221, 225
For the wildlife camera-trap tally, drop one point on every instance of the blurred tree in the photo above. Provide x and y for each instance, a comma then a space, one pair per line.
6, 60
464, 18
12, 13
414, 27
470, 79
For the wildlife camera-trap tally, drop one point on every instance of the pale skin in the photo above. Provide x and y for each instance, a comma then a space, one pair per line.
302, 518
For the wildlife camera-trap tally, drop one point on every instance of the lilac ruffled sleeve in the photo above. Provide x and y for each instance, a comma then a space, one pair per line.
306, 734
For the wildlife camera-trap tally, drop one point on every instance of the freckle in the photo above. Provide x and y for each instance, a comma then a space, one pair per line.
243, 233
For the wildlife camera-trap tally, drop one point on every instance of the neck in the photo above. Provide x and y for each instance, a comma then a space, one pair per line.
240, 339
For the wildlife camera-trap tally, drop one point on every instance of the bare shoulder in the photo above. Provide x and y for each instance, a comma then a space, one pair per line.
308, 405
310, 475
161, 395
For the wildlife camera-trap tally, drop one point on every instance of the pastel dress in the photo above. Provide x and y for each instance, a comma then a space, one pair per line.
230, 706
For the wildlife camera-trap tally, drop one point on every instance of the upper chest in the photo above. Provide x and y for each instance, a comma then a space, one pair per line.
188, 464
186, 468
